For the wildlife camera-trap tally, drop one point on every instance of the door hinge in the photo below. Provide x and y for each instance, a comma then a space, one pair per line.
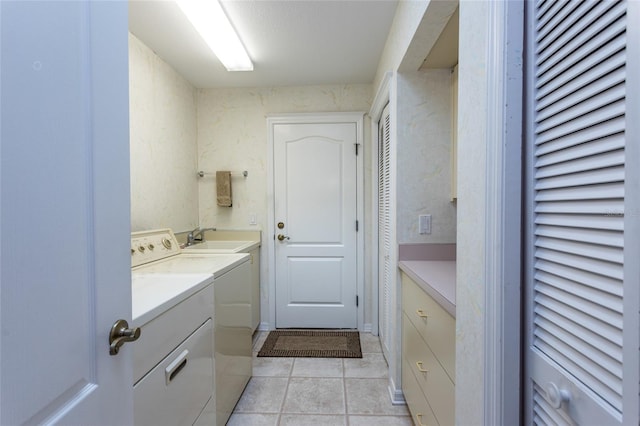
357, 225
357, 146
357, 301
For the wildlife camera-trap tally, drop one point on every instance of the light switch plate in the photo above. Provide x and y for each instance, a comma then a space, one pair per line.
253, 219
424, 224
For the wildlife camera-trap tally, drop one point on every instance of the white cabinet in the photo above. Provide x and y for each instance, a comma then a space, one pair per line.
255, 288
428, 357
232, 338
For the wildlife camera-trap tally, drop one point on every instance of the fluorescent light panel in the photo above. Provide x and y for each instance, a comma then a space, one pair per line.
209, 19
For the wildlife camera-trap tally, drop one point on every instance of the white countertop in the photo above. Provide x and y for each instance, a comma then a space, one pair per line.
437, 278
154, 293
158, 286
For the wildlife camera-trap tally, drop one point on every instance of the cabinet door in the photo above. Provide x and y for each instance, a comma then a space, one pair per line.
578, 244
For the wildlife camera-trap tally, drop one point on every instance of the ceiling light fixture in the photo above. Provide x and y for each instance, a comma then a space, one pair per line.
209, 19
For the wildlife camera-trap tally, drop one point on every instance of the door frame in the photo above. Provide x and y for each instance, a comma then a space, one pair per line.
503, 215
269, 244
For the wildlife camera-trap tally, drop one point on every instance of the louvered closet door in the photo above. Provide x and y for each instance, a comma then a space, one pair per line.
384, 231
577, 148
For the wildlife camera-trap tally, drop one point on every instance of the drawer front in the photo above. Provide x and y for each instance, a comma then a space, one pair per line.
434, 324
421, 413
434, 382
162, 334
176, 390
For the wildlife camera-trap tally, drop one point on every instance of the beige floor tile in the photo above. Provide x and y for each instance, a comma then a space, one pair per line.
370, 396
262, 395
238, 419
272, 367
370, 343
371, 366
314, 396
317, 367
312, 420
380, 421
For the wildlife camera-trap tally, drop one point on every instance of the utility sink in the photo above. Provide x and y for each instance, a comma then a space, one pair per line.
222, 246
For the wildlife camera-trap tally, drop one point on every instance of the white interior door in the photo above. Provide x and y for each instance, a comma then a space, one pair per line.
315, 212
576, 349
64, 207
385, 269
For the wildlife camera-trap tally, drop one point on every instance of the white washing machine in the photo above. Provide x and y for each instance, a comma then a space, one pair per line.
227, 298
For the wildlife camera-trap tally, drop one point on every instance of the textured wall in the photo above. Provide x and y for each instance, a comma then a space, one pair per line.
163, 131
472, 143
424, 156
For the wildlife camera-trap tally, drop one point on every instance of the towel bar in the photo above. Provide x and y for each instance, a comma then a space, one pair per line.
233, 174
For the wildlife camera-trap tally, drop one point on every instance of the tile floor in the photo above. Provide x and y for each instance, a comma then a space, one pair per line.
319, 391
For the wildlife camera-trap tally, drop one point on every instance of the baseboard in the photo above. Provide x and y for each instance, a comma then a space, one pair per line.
367, 328
264, 326
395, 394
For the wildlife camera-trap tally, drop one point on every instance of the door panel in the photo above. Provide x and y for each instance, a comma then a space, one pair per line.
65, 270
576, 213
385, 230
315, 199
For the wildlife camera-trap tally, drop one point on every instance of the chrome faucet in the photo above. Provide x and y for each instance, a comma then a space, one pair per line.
192, 237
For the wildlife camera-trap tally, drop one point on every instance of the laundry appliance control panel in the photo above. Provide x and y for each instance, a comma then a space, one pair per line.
149, 246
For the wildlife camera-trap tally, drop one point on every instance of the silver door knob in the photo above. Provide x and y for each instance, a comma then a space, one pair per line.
557, 396
120, 334
282, 237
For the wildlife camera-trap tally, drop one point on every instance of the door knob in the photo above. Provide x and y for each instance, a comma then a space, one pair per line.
282, 237
120, 334
557, 396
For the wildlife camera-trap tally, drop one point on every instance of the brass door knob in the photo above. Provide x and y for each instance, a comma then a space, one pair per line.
282, 237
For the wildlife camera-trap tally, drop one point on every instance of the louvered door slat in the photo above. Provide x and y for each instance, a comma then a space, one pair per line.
586, 53
589, 176
578, 262
603, 146
609, 207
578, 42
611, 69
576, 160
599, 220
548, 13
574, 337
597, 237
608, 112
595, 134
592, 192
577, 212
580, 104
606, 74
598, 337
584, 278
594, 251
579, 14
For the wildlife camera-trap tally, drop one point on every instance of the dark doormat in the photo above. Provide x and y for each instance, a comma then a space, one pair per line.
312, 344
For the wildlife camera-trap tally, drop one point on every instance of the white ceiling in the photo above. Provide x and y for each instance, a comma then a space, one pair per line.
291, 42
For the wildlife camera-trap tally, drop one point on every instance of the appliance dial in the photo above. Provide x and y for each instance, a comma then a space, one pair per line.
166, 243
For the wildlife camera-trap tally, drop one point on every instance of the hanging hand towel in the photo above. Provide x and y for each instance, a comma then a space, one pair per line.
223, 188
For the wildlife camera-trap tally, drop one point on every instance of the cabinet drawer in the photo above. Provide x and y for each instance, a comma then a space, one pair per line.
438, 388
162, 334
421, 413
434, 324
176, 390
